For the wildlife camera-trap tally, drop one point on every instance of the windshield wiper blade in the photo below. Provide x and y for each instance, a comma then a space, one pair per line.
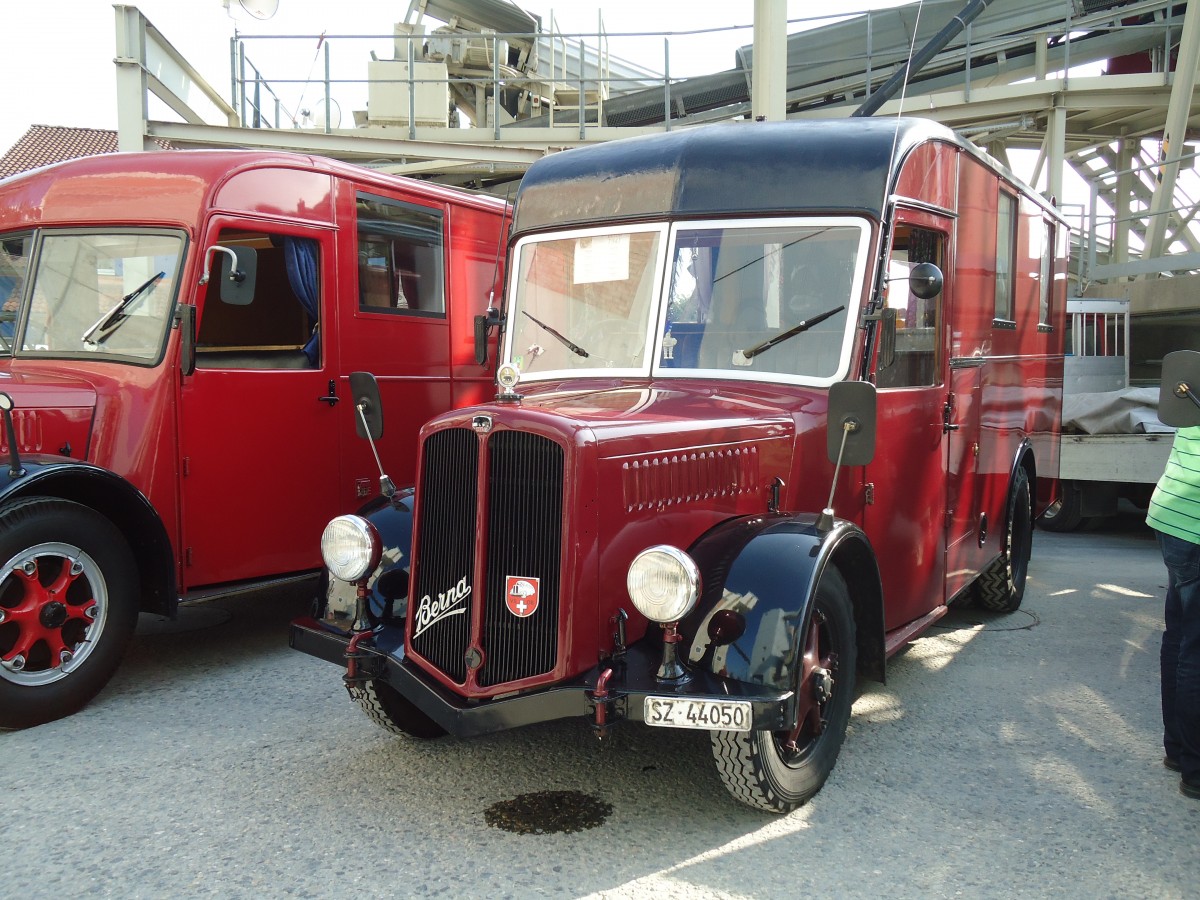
790, 333
109, 317
566, 342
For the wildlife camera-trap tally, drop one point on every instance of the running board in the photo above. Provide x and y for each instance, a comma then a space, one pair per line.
203, 595
893, 641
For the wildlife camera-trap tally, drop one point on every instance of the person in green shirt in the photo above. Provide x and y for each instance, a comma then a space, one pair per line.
1174, 514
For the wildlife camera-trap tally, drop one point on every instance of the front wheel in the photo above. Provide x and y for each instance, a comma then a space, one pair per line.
391, 711
68, 606
1001, 586
778, 771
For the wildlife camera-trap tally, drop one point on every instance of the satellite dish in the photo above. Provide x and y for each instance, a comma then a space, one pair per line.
255, 9
314, 116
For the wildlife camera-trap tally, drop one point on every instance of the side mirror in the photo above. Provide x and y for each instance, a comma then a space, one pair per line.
185, 315
925, 280
483, 327
236, 272
368, 411
887, 338
852, 418
1178, 402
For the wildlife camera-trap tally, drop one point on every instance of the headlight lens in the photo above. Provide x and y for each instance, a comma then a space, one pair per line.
664, 583
350, 547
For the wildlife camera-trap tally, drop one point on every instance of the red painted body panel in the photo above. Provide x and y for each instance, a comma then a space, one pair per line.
666, 460
244, 466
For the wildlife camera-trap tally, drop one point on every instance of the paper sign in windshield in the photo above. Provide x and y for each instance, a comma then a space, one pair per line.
602, 258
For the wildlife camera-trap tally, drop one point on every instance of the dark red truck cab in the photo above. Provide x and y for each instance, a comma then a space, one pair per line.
648, 523
176, 337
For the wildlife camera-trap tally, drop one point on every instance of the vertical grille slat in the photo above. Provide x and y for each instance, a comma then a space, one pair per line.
449, 488
524, 540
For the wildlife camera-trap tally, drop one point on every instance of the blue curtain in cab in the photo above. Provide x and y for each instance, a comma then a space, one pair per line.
300, 259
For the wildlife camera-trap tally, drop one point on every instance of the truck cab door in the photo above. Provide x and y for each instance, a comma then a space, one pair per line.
907, 521
260, 415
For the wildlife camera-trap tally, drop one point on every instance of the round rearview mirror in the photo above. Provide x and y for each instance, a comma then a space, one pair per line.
925, 280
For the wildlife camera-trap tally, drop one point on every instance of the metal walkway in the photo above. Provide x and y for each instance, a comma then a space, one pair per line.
528, 91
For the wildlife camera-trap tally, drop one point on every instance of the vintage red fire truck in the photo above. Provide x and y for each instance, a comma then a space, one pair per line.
650, 522
176, 336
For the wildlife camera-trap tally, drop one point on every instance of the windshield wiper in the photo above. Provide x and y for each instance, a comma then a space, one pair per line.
752, 352
121, 308
566, 342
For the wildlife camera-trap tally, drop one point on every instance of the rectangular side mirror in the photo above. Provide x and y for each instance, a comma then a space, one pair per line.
368, 410
1180, 370
185, 316
853, 404
237, 279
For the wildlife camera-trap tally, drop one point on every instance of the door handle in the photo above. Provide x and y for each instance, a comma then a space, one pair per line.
331, 398
947, 412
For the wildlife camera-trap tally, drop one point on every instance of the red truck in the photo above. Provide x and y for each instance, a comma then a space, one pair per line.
773, 396
175, 343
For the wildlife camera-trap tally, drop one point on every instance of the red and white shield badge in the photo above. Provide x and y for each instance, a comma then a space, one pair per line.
522, 594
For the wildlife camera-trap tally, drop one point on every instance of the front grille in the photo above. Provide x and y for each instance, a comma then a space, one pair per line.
524, 537
441, 620
524, 496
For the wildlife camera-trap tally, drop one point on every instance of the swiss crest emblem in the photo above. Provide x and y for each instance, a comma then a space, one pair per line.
522, 594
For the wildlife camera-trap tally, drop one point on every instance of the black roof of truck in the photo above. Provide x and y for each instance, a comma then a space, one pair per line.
745, 168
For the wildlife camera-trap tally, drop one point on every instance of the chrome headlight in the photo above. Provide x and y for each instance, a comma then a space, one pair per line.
664, 583
351, 548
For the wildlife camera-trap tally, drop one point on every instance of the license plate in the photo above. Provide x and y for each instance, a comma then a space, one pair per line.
711, 715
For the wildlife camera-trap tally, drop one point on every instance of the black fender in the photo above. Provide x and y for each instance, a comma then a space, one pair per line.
392, 518
765, 570
117, 500
1024, 457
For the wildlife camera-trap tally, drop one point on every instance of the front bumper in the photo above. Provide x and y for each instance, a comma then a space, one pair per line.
621, 697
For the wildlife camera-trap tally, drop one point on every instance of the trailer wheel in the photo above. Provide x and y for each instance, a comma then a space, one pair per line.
1065, 513
778, 771
388, 709
1001, 586
68, 606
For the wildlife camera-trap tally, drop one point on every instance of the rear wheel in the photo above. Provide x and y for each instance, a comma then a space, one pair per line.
68, 606
1001, 586
388, 709
778, 771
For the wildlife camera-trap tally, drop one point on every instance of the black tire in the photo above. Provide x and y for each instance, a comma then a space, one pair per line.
68, 585
388, 709
1001, 586
1065, 513
758, 767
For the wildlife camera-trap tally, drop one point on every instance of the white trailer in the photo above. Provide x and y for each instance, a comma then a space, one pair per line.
1113, 445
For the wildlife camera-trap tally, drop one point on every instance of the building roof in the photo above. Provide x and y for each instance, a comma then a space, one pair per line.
42, 145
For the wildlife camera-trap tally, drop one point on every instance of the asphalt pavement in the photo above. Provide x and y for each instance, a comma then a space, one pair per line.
1007, 756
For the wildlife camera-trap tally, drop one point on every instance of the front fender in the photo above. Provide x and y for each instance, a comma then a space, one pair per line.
764, 571
115, 498
388, 584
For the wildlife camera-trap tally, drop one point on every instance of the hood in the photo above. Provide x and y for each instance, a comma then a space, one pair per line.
624, 418
52, 413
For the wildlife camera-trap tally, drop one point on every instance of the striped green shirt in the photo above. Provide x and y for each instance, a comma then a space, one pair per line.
1175, 505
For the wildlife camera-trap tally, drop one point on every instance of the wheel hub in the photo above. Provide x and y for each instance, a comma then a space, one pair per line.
53, 614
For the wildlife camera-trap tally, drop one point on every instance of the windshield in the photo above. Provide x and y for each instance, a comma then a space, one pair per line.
101, 295
584, 301
758, 299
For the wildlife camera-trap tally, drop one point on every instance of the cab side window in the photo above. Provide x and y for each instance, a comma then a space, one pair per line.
14, 259
279, 328
401, 267
917, 320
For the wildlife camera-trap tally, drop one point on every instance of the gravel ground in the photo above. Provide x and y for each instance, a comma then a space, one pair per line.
1007, 756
